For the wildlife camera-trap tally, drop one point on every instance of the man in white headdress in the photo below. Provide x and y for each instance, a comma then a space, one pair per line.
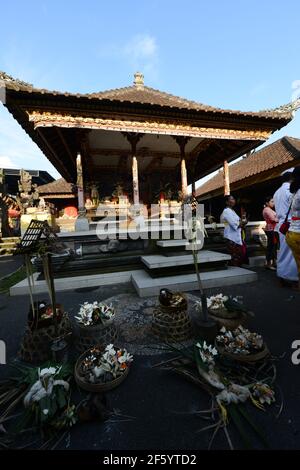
286, 265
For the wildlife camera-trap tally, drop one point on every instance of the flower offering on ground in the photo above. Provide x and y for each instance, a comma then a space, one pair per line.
239, 341
95, 313
101, 367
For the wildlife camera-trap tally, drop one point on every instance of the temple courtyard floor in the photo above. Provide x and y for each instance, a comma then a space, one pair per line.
161, 407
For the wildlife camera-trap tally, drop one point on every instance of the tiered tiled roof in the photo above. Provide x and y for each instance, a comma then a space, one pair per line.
139, 93
60, 186
267, 162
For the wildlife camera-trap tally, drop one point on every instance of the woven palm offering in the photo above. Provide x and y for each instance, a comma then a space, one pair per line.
96, 326
241, 345
227, 311
171, 320
36, 343
99, 370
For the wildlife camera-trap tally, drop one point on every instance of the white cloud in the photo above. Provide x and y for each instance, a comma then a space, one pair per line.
17, 150
6, 162
141, 53
141, 47
296, 90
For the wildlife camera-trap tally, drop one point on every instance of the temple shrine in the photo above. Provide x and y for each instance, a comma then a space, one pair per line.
130, 146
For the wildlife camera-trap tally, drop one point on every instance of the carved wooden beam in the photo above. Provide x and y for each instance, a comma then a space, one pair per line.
58, 164
142, 152
63, 140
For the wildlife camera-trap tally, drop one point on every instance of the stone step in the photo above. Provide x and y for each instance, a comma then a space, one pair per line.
10, 239
7, 244
146, 286
71, 283
174, 244
204, 256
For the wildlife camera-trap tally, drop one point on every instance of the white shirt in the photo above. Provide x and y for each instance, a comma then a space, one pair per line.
295, 212
282, 201
232, 231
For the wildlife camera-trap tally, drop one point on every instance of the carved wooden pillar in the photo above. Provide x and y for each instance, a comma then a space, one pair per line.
80, 190
133, 139
182, 141
226, 178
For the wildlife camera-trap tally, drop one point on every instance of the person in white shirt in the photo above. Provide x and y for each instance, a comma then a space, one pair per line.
286, 265
293, 235
233, 232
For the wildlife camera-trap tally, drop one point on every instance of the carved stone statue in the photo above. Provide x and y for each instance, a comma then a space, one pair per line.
24, 183
29, 195
94, 194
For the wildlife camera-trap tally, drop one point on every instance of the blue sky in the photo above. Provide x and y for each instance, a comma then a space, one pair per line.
232, 54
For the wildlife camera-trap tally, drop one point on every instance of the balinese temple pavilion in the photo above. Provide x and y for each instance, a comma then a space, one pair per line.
134, 141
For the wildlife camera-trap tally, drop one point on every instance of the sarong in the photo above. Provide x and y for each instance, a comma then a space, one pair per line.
293, 241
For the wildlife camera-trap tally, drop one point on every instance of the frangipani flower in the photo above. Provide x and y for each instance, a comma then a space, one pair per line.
234, 393
110, 349
49, 371
240, 341
94, 313
263, 393
207, 352
112, 361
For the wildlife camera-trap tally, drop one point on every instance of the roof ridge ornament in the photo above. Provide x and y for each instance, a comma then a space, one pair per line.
290, 107
4, 77
138, 80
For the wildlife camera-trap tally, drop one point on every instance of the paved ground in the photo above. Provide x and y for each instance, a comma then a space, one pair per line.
9, 264
163, 405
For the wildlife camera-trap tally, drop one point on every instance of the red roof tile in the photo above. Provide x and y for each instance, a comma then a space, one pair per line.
276, 155
60, 186
144, 95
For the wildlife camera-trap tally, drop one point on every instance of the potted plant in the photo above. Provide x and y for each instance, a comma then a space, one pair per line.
96, 325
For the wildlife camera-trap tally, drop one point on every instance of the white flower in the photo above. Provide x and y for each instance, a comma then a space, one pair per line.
234, 393
110, 349
216, 301
48, 371
43, 388
263, 393
45, 411
85, 314
126, 357
98, 371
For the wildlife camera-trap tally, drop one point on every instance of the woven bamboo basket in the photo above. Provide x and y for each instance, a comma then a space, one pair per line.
102, 334
231, 320
248, 358
171, 323
36, 344
96, 388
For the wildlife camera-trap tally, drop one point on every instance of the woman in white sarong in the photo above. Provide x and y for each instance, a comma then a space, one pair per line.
286, 265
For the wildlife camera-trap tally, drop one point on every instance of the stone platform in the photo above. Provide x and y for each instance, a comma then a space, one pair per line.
158, 265
146, 286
